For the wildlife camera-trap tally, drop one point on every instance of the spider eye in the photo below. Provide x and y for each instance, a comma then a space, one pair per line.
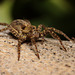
23, 27
33, 27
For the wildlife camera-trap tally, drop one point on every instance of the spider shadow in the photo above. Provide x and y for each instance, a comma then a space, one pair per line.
28, 41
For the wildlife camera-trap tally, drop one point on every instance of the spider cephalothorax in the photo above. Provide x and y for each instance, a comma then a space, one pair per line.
23, 30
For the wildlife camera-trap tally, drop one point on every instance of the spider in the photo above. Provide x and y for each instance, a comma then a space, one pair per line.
23, 30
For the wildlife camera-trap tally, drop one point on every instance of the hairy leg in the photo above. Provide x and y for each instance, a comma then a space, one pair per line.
55, 36
42, 33
4, 29
60, 32
19, 47
4, 24
40, 27
33, 42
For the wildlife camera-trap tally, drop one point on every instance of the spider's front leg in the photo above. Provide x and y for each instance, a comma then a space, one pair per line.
6, 28
22, 38
33, 42
4, 24
19, 47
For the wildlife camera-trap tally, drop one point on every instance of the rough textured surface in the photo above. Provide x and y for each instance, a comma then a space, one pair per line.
53, 60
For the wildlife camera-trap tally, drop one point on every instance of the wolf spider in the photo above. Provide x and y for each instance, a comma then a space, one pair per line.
23, 30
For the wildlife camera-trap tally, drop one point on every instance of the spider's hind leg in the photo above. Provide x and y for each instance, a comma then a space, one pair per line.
60, 32
54, 35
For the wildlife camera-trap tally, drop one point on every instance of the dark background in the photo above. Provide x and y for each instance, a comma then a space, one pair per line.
53, 13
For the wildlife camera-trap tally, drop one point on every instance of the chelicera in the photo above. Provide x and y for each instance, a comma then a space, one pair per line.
23, 30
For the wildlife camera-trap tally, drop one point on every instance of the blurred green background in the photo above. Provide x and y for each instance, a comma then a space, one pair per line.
53, 13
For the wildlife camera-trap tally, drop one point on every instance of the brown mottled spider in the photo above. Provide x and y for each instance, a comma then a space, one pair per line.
23, 30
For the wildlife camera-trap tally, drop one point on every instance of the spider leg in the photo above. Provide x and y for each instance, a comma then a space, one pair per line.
22, 38
54, 35
60, 32
4, 24
40, 27
4, 29
33, 42
41, 33
19, 47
